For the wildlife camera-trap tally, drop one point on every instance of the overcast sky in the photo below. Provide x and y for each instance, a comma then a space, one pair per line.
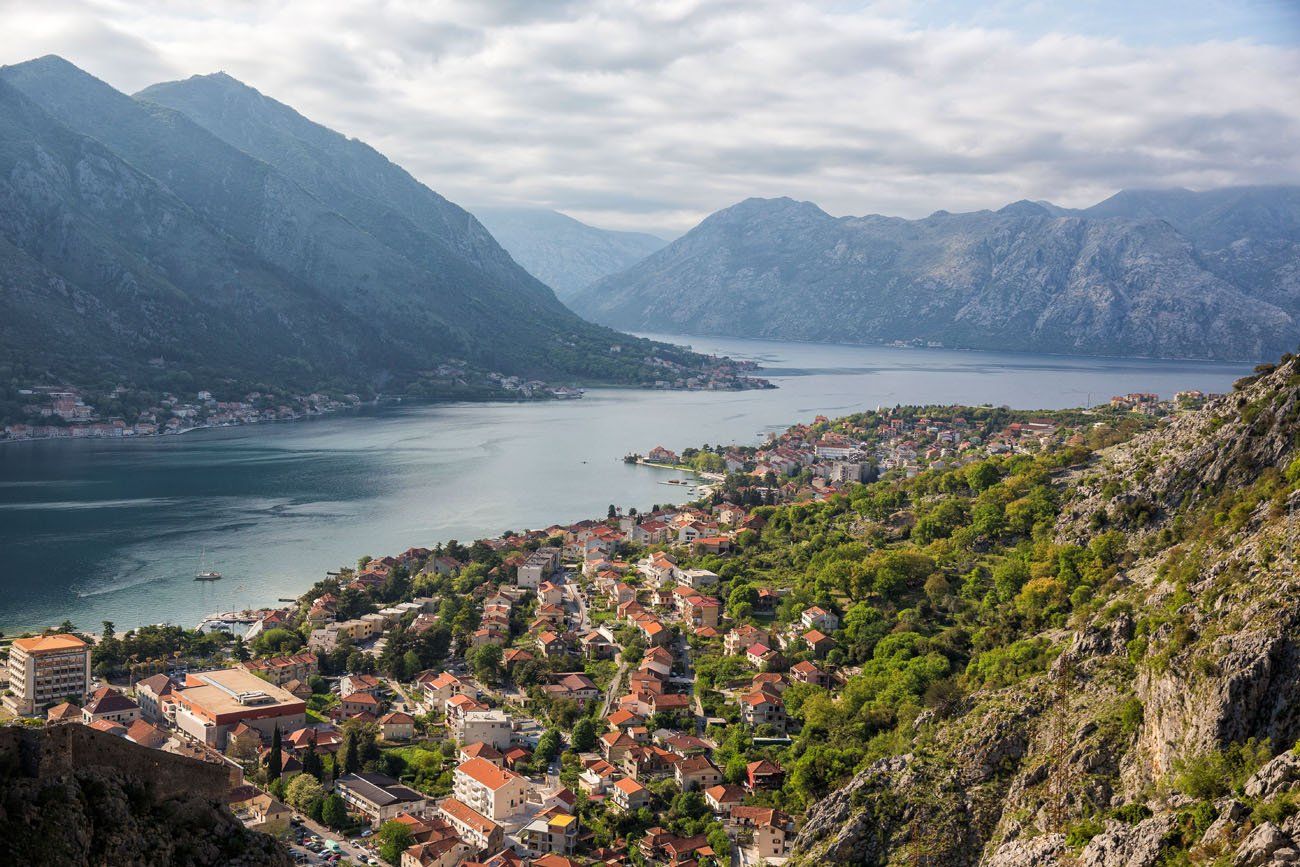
650, 115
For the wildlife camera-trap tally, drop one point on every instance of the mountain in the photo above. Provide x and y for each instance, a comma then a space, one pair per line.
236, 240
1148, 273
563, 253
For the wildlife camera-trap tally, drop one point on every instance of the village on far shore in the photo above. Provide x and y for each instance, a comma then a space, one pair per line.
612, 691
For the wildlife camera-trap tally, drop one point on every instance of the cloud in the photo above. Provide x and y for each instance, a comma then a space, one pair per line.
650, 115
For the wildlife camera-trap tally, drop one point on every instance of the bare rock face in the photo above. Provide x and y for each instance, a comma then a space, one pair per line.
1108, 280
1278, 776
1121, 845
1044, 851
1259, 848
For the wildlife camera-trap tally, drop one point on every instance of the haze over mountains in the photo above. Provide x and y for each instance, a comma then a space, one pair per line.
564, 253
1170, 273
207, 225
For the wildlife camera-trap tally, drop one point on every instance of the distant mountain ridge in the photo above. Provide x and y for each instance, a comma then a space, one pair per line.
565, 254
218, 231
1168, 273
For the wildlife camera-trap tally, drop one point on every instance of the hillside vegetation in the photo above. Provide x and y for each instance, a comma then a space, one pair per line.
1084, 656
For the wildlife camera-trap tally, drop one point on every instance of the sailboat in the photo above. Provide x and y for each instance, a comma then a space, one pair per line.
204, 574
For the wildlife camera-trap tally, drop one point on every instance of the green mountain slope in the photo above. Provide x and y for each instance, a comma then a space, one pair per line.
306, 260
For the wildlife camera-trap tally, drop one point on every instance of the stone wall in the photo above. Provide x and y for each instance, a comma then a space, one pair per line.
53, 750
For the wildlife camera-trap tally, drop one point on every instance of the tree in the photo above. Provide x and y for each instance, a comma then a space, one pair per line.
410, 665
584, 735
349, 755
334, 812
240, 650
312, 765
109, 631
394, 839
303, 792
486, 663
274, 760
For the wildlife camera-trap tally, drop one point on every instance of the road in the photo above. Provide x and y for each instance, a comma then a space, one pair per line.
613, 686
348, 849
688, 669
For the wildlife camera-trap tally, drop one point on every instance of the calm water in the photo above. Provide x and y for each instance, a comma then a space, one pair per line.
99, 530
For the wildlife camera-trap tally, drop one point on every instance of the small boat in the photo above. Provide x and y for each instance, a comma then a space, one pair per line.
205, 574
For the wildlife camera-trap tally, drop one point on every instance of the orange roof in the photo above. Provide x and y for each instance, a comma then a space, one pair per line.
49, 643
485, 773
467, 815
629, 785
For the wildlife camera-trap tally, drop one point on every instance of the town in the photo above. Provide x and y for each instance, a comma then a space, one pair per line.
613, 691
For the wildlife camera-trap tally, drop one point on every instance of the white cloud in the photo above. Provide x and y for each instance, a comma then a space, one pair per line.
651, 115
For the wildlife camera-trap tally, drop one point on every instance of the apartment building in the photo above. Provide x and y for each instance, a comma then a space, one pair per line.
46, 670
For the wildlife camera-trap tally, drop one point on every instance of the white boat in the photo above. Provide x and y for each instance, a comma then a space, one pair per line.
205, 574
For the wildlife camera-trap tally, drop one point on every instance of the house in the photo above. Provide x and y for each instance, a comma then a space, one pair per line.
378, 797
762, 708
772, 830
279, 670
549, 593
474, 828
353, 684
441, 687
696, 772
444, 850
495, 792
614, 745
819, 642
356, 703
807, 672
397, 726
516, 758
597, 777
64, 712
108, 704
722, 797
624, 719
658, 660
763, 774
763, 657
551, 645
147, 735
817, 617
629, 795
712, 545
658, 567
660, 846
580, 688
149, 694
661, 455
264, 813
738, 640
480, 750
698, 578
553, 831
107, 727
486, 726
654, 631
671, 702
648, 761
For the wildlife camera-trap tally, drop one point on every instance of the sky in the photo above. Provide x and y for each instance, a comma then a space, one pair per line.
651, 114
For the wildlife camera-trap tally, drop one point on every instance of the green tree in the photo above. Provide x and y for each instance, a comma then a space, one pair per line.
486, 663
303, 792
334, 812
274, 760
394, 839
584, 735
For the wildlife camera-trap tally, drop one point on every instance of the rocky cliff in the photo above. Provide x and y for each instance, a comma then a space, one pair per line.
1173, 274
72, 796
1163, 731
